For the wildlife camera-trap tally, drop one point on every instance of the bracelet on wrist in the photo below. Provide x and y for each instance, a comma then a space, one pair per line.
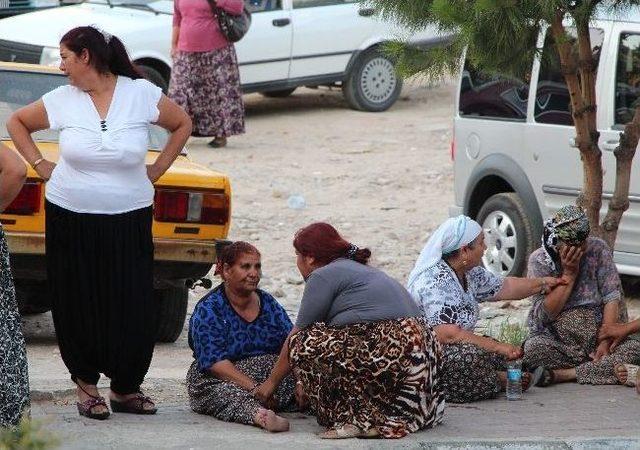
543, 286
36, 162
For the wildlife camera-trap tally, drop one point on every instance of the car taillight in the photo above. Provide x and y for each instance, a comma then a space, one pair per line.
28, 200
191, 207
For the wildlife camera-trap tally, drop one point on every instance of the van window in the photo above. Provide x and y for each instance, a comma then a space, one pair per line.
256, 6
553, 104
627, 78
493, 96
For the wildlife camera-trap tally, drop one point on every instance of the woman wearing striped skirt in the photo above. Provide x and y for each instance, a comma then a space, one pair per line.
366, 362
99, 246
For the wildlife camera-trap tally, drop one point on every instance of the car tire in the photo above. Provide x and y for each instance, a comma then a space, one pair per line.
282, 93
508, 234
172, 312
154, 76
372, 84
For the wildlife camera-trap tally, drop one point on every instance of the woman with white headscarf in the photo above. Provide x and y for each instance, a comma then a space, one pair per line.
448, 282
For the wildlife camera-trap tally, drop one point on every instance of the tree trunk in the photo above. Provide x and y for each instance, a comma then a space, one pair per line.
624, 154
582, 96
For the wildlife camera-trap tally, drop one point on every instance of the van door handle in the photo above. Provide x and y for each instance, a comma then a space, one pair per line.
281, 22
572, 143
610, 145
367, 12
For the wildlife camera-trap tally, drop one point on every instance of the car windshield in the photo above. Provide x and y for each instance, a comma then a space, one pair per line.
132, 3
18, 89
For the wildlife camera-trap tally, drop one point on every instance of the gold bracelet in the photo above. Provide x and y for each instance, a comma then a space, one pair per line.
36, 162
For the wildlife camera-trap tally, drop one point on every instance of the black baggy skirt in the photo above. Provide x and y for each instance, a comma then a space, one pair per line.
100, 273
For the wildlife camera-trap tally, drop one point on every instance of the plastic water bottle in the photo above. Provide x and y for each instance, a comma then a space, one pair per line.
514, 380
296, 202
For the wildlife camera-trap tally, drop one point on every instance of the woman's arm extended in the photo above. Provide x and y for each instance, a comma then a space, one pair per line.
514, 288
177, 122
280, 370
453, 334
12, 175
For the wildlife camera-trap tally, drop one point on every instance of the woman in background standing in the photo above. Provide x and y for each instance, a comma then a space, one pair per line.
14, 379
205, 79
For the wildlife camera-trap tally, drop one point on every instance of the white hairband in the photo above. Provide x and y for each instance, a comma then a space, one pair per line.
106, 35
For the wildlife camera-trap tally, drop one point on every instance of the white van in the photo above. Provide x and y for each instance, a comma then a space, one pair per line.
515, 160
291, 43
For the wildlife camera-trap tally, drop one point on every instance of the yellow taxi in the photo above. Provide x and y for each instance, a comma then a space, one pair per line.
191, 211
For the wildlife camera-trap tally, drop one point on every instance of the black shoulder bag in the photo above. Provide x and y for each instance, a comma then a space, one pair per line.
233, 27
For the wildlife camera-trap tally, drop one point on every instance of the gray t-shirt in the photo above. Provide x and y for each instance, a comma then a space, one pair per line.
345, 292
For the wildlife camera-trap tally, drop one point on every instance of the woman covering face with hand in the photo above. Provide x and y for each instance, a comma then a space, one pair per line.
448, 283
99, 196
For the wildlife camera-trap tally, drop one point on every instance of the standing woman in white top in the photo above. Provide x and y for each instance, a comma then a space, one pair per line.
98, 207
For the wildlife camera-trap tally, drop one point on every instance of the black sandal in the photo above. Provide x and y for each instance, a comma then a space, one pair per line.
546, 378
134, 405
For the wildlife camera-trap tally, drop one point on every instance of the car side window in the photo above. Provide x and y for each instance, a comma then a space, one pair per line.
486, 95
258, 6
313, 3
553, 105
627, 78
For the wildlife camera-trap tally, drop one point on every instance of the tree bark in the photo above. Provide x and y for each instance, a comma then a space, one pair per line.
582, 98
624, 154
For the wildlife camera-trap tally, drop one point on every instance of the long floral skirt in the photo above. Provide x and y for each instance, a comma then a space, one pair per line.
470, 373
227, 401
574, 338
383, 375
14, 379
207, 86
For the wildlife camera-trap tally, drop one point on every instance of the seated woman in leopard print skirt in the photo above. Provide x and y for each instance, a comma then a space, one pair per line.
365, 360
448, 282
236, 332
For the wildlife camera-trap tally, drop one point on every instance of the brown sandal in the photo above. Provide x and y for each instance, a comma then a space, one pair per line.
134, 405
85, 408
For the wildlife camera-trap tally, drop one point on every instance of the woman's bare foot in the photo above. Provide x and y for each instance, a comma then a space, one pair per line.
146, 405
270, 421
622, 374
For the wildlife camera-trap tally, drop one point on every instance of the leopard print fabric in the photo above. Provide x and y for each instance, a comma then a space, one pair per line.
382, 375
14, 379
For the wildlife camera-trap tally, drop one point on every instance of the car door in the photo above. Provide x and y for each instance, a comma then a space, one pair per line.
264, 53
554, 164
325, 34
617, 105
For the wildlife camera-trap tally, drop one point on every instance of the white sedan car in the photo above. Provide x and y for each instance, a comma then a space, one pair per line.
291, 43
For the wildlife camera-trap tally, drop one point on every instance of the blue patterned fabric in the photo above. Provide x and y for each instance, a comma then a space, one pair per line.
217, 332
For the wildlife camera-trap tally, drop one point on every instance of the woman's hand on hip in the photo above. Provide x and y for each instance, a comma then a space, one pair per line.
45, 169
154, 173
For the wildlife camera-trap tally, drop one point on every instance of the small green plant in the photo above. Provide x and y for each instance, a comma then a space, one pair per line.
511, 333
27, 435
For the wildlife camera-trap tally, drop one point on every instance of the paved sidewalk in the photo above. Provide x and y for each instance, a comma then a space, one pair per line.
563, 416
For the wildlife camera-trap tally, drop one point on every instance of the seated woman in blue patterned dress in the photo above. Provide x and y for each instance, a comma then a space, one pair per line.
236, 333
448, 282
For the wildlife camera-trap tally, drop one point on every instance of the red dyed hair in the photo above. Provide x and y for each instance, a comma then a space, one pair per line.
231, 253
323, 242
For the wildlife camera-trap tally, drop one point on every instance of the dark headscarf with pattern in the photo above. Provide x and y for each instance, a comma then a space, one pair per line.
569, 225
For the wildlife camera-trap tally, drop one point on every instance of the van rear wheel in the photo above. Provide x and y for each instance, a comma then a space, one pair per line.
508, 234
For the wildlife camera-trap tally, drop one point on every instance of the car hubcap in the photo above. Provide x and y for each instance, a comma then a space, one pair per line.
501, 239
378, 80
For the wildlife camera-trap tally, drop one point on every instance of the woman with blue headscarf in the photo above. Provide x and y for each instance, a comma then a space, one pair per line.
448, 282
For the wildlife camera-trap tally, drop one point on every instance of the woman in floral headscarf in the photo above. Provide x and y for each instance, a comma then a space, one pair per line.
564, 324
448, 281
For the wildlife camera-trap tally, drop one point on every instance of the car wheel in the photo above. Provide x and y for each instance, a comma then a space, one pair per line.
172, 312
508, 234
154, 76
282, 93
372, 84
